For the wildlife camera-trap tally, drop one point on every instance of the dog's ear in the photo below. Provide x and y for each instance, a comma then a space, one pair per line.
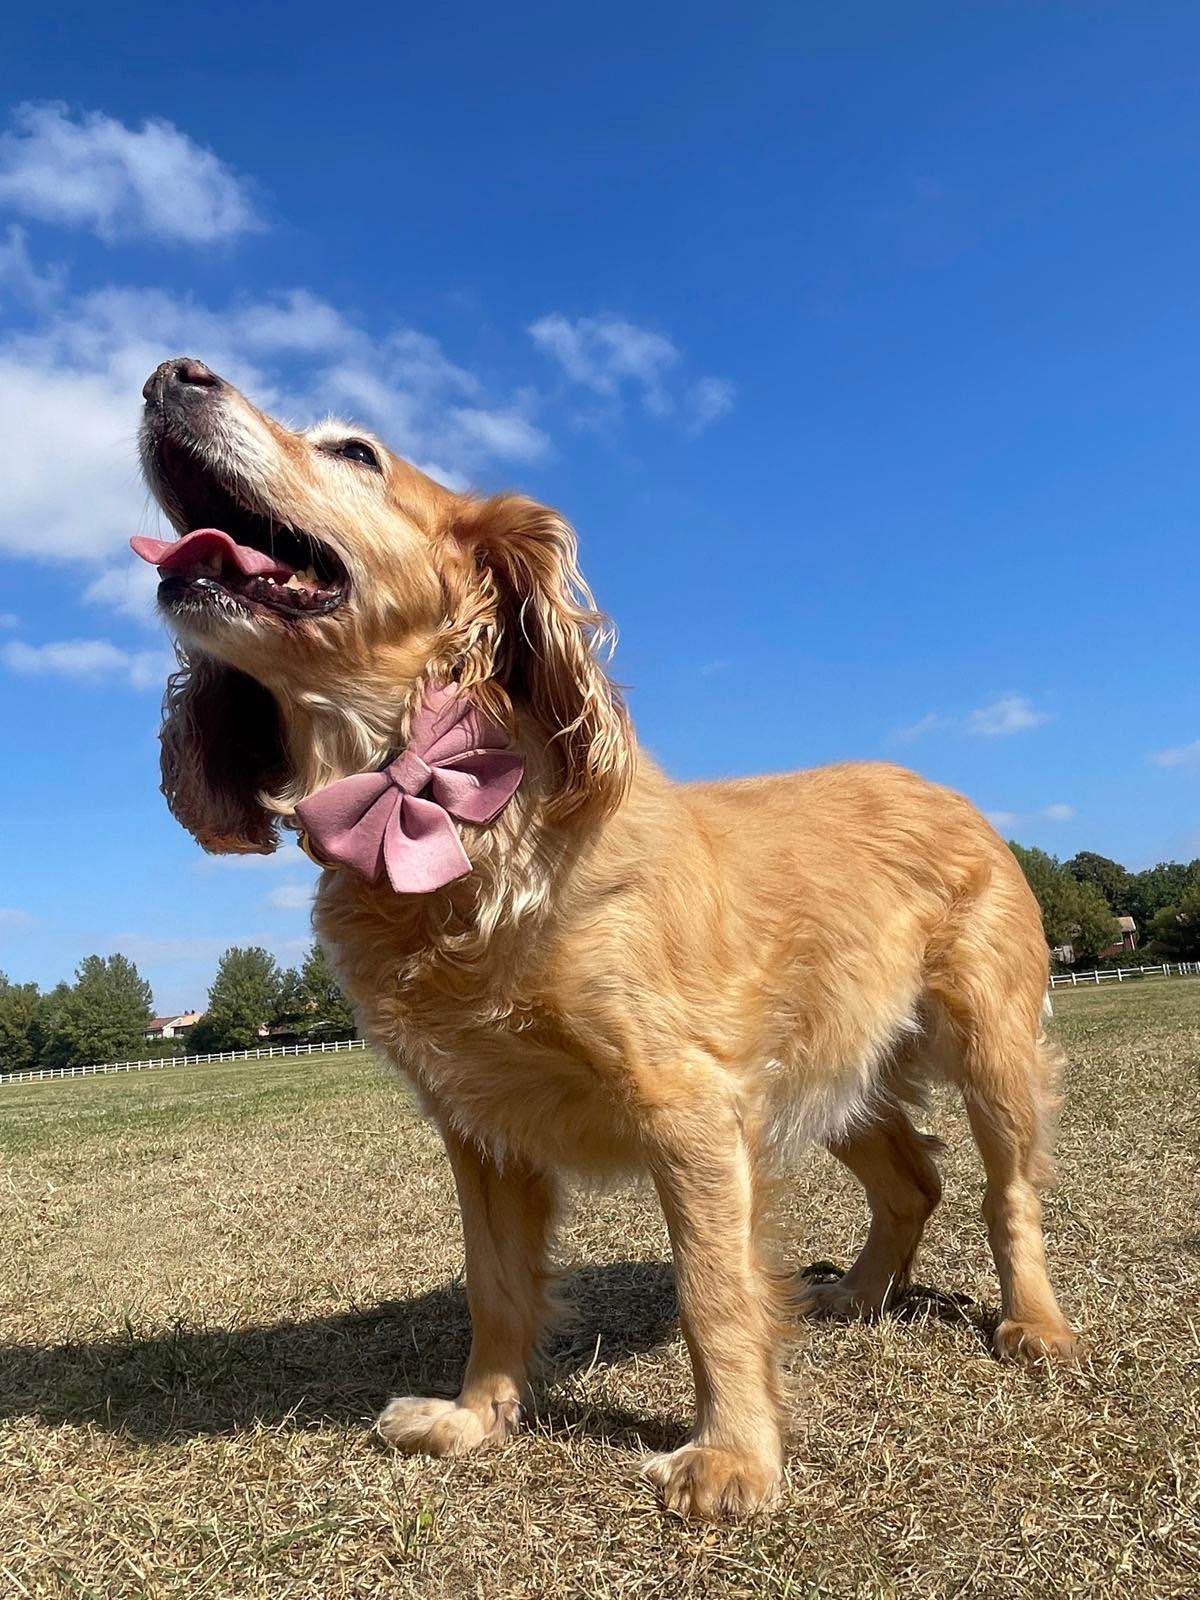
528, 624
222, 746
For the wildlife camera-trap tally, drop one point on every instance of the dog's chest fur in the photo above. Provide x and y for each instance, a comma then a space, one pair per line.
475, 1026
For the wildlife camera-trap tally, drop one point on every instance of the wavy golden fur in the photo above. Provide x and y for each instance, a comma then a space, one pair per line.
637, 975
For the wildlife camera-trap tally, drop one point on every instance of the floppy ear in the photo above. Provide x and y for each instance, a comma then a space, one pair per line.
221, 746
531, 626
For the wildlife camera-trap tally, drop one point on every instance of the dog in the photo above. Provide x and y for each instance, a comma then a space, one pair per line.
586, 969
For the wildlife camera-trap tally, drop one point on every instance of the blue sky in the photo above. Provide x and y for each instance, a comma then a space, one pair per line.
860, 343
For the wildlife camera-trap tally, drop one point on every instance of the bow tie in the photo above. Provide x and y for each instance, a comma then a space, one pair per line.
457, 765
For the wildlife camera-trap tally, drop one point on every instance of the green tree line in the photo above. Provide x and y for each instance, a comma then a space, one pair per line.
1082, 898
104, 1013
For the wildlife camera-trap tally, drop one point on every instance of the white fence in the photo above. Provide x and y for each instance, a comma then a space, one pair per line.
1180, 969
263, 1053
1169, 969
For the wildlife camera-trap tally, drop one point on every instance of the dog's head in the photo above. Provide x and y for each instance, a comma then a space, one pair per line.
345, 581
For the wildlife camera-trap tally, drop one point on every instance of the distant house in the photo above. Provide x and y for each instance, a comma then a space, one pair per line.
1127, 940
177, 1027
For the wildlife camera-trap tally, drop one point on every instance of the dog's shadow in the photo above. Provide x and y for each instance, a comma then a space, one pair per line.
916, 1302
191, 1381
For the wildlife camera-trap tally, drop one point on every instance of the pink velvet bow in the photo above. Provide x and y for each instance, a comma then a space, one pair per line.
457, 764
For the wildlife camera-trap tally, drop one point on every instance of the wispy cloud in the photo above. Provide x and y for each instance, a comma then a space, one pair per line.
1011, 713
29, 284
1058, 812
165, 950
289, 855
91, 171
707, 400
92, 661
612, 357
929, 723
14, 917
291, 896
1180, 755
128, 588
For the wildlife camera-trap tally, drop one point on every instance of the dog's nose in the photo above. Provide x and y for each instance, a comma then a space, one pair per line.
184, 371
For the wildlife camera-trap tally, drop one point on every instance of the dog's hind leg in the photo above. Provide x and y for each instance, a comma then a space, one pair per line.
1006, 1084
988, 978
893, 1162
508, 1213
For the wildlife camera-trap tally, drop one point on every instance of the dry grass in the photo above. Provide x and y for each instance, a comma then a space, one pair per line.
214, 1277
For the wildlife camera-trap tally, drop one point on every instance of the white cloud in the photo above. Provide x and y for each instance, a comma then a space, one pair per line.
27, 283
708, 399
91, 661
14, 917
70, 393
603, 352
289, 854
128, 589
1011, 713
143, 947
9, 619
1180, 755
609, 355
917, 730
94, 172
1052, 813
291, 896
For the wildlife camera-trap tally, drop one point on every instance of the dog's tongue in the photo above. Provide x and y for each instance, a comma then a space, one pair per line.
198, 550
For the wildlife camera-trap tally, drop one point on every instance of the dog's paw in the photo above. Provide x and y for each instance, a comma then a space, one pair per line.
715, 1485
839, 1301
425, 1427
1034, 1343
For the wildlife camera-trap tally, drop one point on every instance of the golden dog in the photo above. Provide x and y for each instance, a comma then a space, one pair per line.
634, 975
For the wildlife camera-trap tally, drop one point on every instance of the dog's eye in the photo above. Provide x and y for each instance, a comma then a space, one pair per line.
356, 450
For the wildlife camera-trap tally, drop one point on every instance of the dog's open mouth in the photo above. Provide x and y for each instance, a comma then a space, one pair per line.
235, 555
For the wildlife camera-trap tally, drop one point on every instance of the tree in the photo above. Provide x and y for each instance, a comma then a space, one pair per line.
1110, 877
20, 1041
311, 1005
332, 1016
1073, 913
46, 1024
102, 1018
1175, 930
1158, 887
1096, 928
291, 1002
243, 999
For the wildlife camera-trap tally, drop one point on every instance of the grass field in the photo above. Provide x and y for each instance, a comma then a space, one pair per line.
213, 1277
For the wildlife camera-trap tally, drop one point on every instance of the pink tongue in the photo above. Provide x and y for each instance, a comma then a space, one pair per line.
197, 549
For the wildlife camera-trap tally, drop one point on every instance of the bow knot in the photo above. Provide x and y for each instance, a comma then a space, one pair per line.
409, 773
457, 766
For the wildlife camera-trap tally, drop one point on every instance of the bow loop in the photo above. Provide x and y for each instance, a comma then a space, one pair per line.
457, 765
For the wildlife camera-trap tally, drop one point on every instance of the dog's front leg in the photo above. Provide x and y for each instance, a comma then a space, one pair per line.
507, 1215
703, 1171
